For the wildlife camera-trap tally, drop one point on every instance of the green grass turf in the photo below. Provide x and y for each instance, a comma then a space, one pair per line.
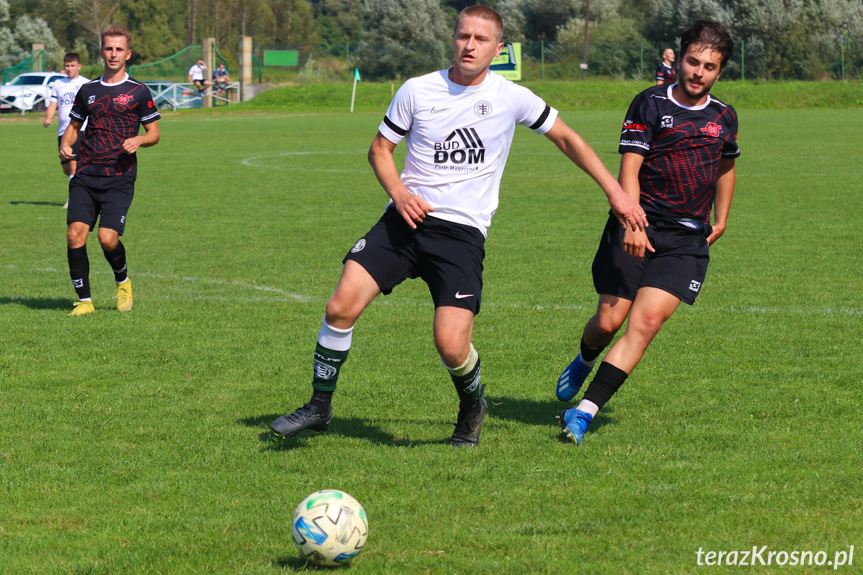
608, 95
138, 443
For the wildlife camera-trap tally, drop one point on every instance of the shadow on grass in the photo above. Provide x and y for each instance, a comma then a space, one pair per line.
299, 564
38, 303
22, 203
345, 426
541, 413
531, 412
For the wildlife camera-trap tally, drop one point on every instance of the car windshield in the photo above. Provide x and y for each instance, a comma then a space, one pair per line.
28, 81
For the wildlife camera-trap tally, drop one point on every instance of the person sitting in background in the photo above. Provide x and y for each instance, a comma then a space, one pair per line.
196, 76
221, 77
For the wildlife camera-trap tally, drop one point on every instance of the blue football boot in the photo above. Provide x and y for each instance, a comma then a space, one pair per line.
572, 379
573, 424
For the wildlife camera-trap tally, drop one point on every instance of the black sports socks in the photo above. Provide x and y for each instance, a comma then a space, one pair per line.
607, 381
79, 270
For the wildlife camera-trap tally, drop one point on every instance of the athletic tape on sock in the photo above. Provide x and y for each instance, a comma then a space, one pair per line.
467, 366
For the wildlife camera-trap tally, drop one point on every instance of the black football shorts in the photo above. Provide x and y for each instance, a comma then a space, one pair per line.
678, 266
105, 197
447, 256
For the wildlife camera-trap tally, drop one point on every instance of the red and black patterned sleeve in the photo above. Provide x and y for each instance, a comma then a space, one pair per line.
731, 149
637, 131
147, 109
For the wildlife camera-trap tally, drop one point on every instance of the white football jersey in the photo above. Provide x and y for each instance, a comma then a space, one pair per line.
63, 93
458, 139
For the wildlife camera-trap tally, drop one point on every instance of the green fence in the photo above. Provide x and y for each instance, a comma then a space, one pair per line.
560, 61
35, 62
171, 69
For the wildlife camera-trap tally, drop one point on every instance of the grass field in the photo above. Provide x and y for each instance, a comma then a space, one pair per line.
138, 443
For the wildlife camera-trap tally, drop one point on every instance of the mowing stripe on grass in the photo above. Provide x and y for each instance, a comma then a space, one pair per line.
291, 296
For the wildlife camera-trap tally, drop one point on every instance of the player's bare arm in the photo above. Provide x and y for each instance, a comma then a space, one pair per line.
70, 136
635, 242
49, 114
149, 138
722, 202
627, 211
411, 207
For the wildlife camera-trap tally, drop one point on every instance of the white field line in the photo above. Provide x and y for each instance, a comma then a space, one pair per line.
273, 294
285, 295
259, 162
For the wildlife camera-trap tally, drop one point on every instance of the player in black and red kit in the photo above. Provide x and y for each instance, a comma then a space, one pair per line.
104, 183
678, 147
665, 72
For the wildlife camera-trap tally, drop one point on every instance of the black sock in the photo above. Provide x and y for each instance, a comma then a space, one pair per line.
589, 353
467, 386
328, 364
117, 259
79, 269
607, 381
321, 400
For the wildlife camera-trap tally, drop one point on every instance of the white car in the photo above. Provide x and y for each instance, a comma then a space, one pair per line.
29, 91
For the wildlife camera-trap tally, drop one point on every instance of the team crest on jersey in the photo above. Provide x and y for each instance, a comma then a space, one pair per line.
712, 129
667, 122
358, 247
124, 99
482, 108
463, 145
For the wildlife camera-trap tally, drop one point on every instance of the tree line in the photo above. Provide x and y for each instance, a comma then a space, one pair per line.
783, 39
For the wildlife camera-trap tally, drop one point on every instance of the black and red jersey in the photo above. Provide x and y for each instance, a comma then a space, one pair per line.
682, 147
115, 113
665, 73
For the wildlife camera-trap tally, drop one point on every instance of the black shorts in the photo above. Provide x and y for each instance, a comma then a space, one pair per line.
678, 266
447, 256
75, 147
105, 197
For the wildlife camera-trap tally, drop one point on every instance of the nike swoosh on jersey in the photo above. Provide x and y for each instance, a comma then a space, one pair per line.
438, 110
462, 295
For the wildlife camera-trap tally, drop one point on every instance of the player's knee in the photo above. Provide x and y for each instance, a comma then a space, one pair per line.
76, 236
607, 326
647, 324
108, 239
452, 350
341, 312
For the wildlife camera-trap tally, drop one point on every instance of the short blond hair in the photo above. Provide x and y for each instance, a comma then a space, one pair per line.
117, 30
484, 13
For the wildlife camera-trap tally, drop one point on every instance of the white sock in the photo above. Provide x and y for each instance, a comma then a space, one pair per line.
334, 338
588, 407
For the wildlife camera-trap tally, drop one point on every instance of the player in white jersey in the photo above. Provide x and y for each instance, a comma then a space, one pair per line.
459, 125
62, 97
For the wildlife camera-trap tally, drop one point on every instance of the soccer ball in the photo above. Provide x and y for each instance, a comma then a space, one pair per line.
330, 528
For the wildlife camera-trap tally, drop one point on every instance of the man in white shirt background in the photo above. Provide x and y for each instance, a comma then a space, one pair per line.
197, 76
62, 97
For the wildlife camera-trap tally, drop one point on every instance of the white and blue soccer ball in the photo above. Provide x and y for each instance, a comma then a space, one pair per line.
330, 528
